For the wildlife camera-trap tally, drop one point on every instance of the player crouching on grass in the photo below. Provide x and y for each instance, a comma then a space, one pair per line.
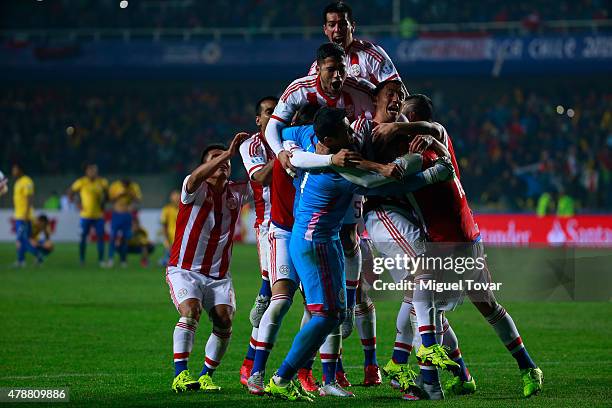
198, 271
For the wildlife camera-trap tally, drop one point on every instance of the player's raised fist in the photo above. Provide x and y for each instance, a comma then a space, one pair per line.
237, 141
346, 158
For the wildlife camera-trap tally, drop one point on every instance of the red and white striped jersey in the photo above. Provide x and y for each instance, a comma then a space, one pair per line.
367, 61
205, 228
255, 154
356, 98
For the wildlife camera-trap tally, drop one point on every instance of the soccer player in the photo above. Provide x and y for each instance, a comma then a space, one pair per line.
139, 243
283, 277
448, 219
390, 225
258, 158
124, 194
363, 59
23, 197
329, 87
40, 237
315, 249
92, 190
168, 221
198, 271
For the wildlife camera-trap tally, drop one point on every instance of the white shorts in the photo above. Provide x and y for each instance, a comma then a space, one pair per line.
211, 292
281, 266
263, 251
355, 211
392, 234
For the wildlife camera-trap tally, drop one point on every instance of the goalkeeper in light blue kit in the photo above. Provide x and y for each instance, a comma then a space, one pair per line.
315, 246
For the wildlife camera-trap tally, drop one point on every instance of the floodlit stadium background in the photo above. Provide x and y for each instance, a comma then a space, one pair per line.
140, 87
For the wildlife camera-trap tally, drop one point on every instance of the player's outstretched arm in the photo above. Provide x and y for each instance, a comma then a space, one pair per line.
370, 174
442, 170
388, 131
205, 170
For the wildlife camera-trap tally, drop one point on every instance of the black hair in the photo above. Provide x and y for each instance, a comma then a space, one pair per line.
339, 7
328, 121
330, 50
305, 115
260, 101
43, 217
421, 106
382, 84
212, 146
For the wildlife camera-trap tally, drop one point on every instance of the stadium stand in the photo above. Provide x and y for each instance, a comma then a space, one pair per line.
513, 143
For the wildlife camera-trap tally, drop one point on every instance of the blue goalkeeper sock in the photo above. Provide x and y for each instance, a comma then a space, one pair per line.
308, 339
265, 289
351, 296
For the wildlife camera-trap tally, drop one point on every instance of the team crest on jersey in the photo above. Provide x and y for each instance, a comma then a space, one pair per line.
355, 70
232, 203
387, 68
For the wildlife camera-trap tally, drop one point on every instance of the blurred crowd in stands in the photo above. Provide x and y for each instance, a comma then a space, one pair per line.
522, 146
271, 13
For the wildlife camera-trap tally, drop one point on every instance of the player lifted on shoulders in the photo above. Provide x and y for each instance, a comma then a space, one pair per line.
363, 59
258, 160
198, 271
329, 87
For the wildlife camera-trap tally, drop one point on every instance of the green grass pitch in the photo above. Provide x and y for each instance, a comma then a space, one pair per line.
107, 334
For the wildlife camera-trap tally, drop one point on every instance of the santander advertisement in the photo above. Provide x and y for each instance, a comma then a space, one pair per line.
580, 230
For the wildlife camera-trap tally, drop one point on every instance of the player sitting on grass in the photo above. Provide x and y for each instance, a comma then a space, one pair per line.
198, 271
41, 235
139, 243
315, 248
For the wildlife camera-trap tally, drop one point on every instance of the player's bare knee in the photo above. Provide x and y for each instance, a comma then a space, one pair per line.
222, 316
191, 308
283, 286
486, 308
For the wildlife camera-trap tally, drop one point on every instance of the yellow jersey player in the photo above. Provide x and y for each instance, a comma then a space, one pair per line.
92, 191
168, 221
23, 197
40, 236
124, 194
139, 243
